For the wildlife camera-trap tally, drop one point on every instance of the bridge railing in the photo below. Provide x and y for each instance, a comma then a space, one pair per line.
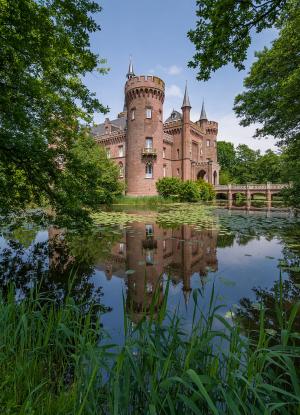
244, 187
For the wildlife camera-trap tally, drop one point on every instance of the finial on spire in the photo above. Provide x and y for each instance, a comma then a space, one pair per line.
130, 72
186, 100
203, 115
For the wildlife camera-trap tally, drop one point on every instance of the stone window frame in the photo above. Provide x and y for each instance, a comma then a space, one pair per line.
148, 112
149, 170
121, 150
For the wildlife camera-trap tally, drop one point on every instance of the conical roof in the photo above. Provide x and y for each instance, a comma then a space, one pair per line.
186, 100
203, 115
130, 72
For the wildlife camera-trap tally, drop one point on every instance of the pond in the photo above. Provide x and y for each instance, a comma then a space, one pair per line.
129, 255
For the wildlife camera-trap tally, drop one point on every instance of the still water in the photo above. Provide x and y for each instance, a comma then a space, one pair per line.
124, 263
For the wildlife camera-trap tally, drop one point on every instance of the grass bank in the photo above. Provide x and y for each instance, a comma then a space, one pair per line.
56, 359
142, 201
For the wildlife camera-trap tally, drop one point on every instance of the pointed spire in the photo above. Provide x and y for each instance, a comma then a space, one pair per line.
203, 115
186, 100
130, 72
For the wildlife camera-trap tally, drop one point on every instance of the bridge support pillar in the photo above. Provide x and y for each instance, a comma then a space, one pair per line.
268, 193
229, 193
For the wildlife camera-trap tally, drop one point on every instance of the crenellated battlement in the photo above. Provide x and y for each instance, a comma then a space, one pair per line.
150, 86
136, 81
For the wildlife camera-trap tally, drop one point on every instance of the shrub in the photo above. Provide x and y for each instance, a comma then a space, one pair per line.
206, 190
169, 186
189, 191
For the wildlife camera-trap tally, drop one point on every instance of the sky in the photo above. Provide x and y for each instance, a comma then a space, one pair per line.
155, 34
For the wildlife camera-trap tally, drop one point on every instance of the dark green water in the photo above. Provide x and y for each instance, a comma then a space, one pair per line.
240, 254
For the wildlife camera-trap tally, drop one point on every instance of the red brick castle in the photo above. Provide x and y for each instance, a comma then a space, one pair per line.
146, 148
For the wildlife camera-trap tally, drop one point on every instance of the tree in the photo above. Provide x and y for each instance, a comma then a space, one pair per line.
245, 169
226, 155
44, 55
273, 87
269, 168
223, 31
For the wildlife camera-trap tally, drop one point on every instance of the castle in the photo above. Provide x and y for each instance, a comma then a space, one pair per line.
147, 149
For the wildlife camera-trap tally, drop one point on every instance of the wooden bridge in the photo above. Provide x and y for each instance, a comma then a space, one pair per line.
249, 190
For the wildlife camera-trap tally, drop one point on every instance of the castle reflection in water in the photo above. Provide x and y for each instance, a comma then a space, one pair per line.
146, 252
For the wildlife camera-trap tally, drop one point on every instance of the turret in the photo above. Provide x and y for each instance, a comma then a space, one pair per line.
144, 150
186, 109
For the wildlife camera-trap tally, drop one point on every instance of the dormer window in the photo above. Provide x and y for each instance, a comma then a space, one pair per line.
148, 113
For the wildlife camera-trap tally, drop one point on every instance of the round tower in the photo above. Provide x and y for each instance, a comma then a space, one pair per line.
144, 97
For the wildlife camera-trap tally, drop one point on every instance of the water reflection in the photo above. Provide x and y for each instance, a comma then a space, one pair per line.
242, 263
146, 252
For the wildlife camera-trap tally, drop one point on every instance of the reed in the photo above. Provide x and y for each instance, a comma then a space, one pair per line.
55, 359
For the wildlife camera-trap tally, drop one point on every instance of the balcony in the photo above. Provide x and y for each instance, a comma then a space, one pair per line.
149, 151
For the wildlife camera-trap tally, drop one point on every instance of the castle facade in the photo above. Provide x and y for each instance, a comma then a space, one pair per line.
146, 148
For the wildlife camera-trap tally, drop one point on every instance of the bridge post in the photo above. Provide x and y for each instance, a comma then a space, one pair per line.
268, 193
229, 193
248, 192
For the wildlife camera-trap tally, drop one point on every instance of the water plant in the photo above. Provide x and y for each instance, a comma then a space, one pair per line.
56, 360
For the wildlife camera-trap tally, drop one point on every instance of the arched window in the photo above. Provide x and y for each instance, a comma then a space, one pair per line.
149, 171
121, 170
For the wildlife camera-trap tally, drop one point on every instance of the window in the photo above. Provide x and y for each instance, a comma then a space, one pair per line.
207, 143
108, 153
132, 114
164, 170
178, 172
160, 115
121, 151
149, 142
149, 171
148, 113
164, 152
164, 245
149, 230
121, 170
178, 153
121, 247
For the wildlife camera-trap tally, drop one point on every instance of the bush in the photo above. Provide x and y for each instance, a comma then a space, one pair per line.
185, 191
189, 192
206, 190
169, 187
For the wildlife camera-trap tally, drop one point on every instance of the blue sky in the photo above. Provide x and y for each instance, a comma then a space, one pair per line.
154, 33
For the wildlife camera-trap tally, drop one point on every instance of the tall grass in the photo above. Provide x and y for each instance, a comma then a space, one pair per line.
53, 360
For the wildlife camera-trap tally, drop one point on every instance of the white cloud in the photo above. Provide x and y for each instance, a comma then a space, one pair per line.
169, 70
174, 91
230, 130
174, 70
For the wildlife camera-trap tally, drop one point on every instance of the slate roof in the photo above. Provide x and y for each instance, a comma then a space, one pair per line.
175, 115
118, 123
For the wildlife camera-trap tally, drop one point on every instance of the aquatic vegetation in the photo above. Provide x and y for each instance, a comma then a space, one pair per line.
55, 360
119, 218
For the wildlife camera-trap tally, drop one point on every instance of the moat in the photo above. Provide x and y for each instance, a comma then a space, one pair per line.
239, 254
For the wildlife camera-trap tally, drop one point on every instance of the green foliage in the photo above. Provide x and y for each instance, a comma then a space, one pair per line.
242, 165
226, 155
169, 186
272, 97
185, 191
189, 191
225, 177
273, 86
52, 361
206, 190
44, 57
223, 31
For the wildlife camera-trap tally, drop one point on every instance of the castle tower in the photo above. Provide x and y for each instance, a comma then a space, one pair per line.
144, 97
186, 109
